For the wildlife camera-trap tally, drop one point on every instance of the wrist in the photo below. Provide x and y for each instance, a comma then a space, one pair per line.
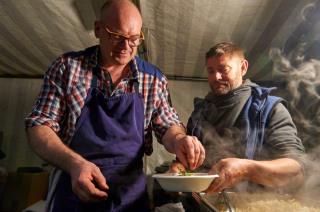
179, 136
74, 162
250, 170
171, 138
178, 140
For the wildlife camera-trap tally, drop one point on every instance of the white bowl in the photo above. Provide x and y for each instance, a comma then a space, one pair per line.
196, 182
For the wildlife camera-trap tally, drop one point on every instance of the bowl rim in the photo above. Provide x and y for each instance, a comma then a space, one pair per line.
176, 176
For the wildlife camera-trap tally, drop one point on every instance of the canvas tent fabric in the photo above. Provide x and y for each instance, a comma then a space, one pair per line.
178, 33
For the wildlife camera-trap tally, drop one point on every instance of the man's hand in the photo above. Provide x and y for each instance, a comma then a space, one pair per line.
231, 171
88, 183
189, 151
279, 173
176, 167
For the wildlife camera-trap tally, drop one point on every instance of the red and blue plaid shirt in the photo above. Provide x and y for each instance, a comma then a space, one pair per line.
68, 80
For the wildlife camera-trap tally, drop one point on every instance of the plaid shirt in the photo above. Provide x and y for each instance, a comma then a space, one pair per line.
68, 80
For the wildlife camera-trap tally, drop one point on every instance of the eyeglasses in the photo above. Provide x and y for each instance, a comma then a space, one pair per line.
117, 38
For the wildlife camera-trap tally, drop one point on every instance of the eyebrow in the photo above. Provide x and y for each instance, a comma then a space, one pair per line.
224, 66
121, 34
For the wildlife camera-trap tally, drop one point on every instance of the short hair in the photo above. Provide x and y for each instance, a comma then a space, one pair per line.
225, 48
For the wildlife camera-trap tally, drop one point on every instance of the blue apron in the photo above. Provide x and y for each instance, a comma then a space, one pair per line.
109, 133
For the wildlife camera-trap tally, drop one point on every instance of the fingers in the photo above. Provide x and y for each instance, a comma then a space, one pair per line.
218, 184
190, 152
81, 194
87, 192
191, 149
186, 156
225, 180
201, 154
215, 169
100, 180
88, 183
195, 152
182, 158
176, 167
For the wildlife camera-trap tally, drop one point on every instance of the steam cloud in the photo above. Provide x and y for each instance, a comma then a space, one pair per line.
302, 77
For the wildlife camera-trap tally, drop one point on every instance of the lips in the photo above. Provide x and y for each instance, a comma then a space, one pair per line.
121, 54
219, 85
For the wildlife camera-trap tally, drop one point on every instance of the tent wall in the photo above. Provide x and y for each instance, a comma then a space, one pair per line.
16, 99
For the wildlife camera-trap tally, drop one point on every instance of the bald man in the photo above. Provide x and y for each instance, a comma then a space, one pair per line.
92, 115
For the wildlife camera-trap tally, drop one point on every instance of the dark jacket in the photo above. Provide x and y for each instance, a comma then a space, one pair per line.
253, 118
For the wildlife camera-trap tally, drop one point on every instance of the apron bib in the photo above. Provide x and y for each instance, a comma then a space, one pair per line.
109, 133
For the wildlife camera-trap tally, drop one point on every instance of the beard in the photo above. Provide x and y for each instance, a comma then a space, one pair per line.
221, 88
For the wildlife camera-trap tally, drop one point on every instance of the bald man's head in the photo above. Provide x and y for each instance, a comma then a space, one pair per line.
121, 19
112, 10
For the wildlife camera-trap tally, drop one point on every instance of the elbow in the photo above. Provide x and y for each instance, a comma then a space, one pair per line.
291, 181
284, 173
30, 133
36, 135
298, 179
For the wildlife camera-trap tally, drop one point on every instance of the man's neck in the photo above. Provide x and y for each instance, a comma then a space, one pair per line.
114, 69
117, 73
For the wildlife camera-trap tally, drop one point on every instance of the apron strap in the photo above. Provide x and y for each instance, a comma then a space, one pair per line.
134, 70
136, 85
94, 80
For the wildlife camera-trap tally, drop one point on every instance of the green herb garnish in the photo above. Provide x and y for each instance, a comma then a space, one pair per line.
184, 172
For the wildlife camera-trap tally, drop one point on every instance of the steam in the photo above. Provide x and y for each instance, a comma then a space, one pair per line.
302, 77
303, 87
307, 9
225, 140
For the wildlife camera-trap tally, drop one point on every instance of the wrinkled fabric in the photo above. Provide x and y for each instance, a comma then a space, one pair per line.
110, 134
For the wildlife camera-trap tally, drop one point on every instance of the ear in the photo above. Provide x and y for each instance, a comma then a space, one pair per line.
244, 67
97, 28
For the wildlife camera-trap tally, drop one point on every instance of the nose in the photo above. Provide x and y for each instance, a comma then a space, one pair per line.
124, 44
217, 75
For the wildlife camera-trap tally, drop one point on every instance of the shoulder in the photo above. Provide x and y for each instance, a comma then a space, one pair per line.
263, 95
78, 60
261, 91
280, 118
148, 68
280, 110
199, 103
72, 67
262, 101
87, 53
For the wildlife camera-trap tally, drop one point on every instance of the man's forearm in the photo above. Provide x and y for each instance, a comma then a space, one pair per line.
284, 172
45, 142
174, 133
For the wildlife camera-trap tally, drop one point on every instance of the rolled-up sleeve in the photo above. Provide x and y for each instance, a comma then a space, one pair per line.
282, 138
165, 115
50, 104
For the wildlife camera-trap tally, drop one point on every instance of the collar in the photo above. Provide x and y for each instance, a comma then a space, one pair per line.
95, 57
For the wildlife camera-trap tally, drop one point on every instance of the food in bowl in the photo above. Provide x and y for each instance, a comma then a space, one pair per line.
191, 182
